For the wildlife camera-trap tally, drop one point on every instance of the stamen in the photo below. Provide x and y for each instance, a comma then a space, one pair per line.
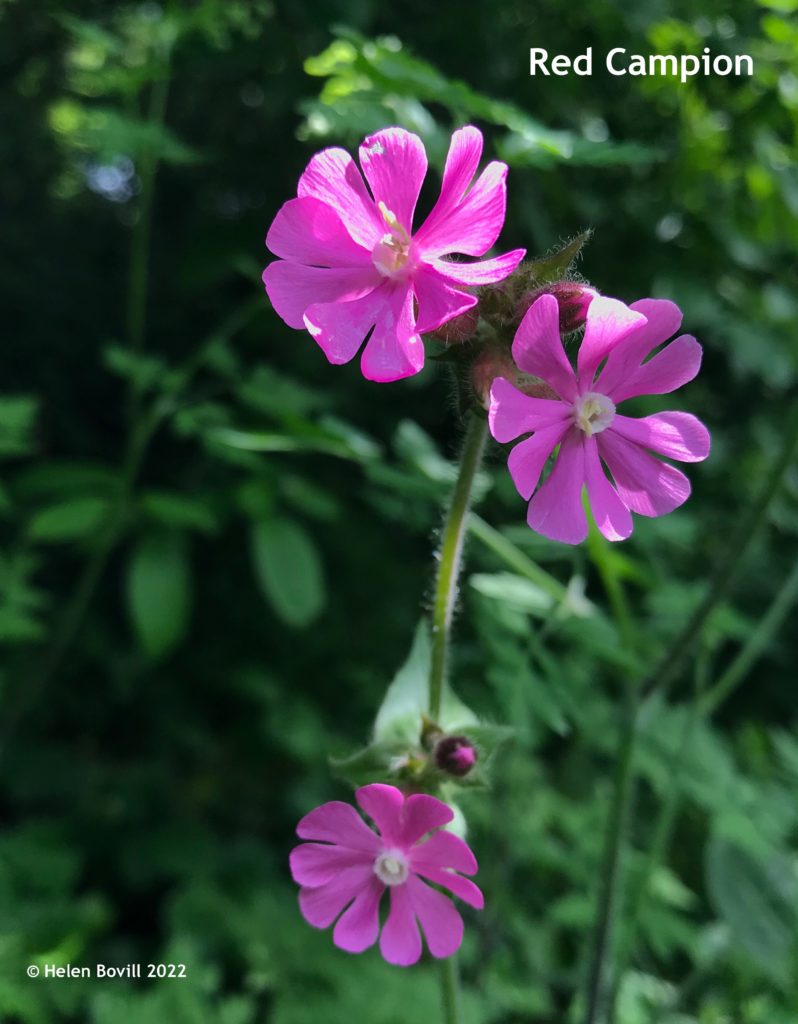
593, 412
391, 867
387, 215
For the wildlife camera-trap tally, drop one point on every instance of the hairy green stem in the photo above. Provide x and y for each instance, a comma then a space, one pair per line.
444, 600
450, 557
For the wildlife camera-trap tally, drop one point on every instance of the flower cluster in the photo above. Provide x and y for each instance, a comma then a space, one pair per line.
351, 269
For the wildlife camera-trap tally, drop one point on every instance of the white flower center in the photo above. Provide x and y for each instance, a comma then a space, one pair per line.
593, 412
391, 255
391, 867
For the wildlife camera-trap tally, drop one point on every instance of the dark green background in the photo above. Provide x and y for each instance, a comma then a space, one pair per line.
172, 685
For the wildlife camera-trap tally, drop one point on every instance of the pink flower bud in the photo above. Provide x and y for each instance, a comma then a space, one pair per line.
572, 297
455, 755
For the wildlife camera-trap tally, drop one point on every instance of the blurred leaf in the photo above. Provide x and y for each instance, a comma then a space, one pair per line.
513, 590
17, 418
108, 133
159, 591
170, 508
20, 601
53, 477
289, 570
758, 898
366, 77
68, 520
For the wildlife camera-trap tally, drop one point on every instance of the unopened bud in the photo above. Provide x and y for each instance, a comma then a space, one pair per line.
573, 299
459, 328
491, 363
455, 755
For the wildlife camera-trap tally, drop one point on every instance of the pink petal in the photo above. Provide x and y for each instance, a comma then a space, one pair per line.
537, 348
473, 225
322, 904
337, 822
463, 888
608, 323
395, 164
292, 288
443, 926
528, 458
339, 328
308, 231
395, 349
462, 160
333, 177
400, 942
358, 927
315, 864
612, 516
383, 804
445, 850
646, 485
662, 322
513, 413
482, 271
437, 301
676, 435
422, 814
556, 510
668, 370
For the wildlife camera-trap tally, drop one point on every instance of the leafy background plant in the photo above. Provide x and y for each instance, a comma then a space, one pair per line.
214, 549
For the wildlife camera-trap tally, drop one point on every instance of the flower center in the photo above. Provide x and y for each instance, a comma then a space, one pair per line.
391, 867
593, 412
391, 255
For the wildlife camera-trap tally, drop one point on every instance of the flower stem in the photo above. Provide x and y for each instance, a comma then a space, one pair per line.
450, 557
449, 562
450, 990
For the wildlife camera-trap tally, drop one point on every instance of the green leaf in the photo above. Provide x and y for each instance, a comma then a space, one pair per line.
107, 133
406, 702
513, 590
68, 520
373, 82
375, 763
17, 417
170, 508
159, 591
20, 601
758, 899
289, 570
556, 264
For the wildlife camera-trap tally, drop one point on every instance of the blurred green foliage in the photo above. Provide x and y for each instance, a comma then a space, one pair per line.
215, 548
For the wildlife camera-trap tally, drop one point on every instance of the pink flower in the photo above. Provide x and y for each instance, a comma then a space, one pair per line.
350, 262
350, 866
584, 422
